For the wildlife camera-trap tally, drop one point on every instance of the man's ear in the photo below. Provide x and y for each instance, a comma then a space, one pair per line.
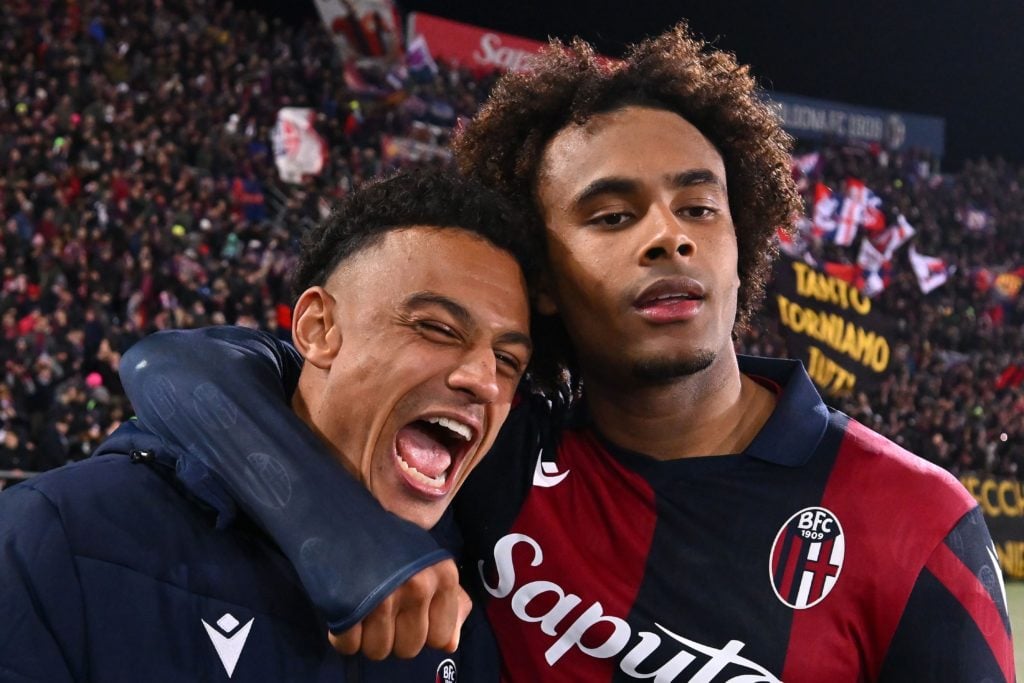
316, 332
545, 302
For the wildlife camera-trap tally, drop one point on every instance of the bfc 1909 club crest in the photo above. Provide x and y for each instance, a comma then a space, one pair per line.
446, 672
807, 557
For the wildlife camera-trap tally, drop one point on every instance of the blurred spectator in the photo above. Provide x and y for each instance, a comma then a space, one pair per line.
15, 451
55, 443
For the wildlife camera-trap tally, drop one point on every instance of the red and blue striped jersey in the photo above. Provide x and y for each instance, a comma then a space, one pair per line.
823, 552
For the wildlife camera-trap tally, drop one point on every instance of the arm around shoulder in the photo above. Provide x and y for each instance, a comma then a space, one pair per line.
220, 398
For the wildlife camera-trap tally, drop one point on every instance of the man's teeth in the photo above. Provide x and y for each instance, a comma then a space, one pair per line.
419, 476
451, 425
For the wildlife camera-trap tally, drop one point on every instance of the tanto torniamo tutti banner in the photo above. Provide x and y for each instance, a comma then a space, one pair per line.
832, 327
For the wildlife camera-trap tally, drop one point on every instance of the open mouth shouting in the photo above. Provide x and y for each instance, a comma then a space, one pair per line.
430, 451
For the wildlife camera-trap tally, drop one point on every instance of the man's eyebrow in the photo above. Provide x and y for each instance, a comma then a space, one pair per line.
619, 185
612, 185
454, 308
459, 312
517, 338
698, 176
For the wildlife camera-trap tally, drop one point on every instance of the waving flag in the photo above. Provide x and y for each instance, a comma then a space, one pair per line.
825, 206
788, 243
894, 237
872, 264
852, 212
419, 60
874, 284
807, 163
298, 149
847, 272
869, 258
805, 168
931, 271
872, 218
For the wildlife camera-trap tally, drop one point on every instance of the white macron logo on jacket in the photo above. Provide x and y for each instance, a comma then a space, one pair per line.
228, 647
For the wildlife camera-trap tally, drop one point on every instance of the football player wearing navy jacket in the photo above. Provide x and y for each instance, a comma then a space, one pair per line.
411, 335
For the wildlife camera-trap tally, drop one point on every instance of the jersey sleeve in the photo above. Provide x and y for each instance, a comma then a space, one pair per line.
42, 633
219, 397
955, 626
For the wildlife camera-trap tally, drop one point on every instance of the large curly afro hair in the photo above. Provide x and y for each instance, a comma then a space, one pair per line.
568, 84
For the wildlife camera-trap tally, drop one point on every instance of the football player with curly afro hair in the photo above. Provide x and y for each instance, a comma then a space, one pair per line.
571, 88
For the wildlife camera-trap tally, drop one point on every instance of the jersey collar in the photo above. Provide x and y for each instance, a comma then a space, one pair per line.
791, 434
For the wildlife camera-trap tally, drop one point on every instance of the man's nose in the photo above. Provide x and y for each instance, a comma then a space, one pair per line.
667, 236
477, 375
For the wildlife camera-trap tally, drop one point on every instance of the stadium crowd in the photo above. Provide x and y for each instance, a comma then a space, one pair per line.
954, 393
138, 192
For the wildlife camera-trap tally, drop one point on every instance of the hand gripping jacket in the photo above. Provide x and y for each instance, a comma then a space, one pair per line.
223, 411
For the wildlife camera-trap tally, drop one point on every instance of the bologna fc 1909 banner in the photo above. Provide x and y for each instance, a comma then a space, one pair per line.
830, 326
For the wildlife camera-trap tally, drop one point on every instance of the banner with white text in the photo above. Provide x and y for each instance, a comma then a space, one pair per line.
808, 118
472, 46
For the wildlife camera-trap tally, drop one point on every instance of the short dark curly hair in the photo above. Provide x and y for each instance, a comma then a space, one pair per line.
423, 197
568, 84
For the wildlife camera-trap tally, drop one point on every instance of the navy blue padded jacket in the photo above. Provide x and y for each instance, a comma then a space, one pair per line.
118, 569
